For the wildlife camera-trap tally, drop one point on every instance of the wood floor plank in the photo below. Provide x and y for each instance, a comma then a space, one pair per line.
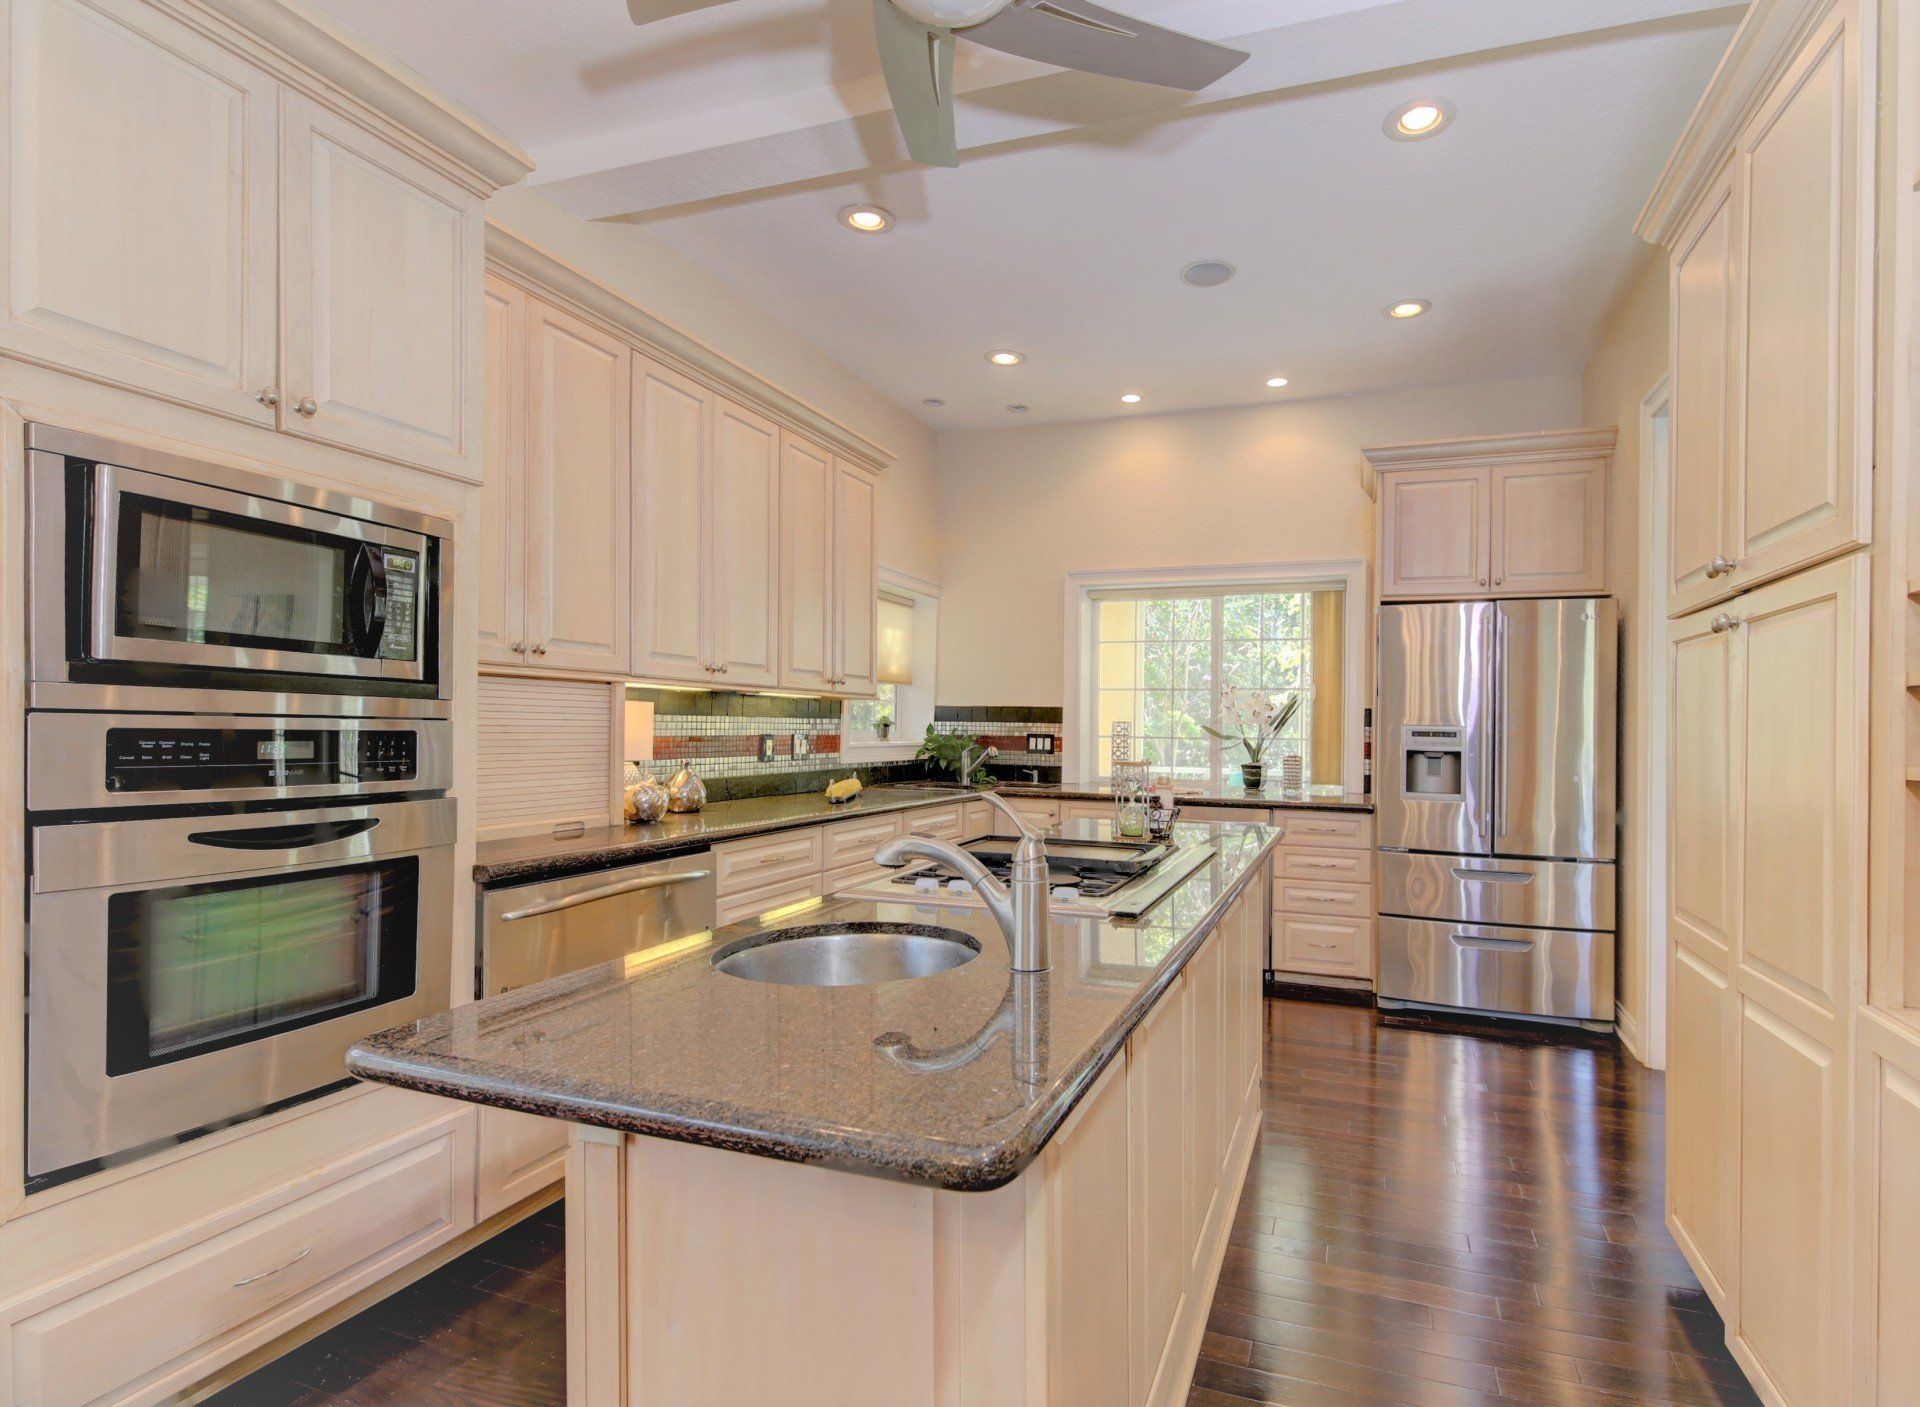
1433, 1218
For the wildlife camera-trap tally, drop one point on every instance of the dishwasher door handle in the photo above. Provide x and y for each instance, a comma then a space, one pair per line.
605, 891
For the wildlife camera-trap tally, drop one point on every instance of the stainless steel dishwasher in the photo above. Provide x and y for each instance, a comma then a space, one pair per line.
531, 932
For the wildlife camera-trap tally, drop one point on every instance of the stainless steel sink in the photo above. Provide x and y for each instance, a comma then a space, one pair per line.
846, 955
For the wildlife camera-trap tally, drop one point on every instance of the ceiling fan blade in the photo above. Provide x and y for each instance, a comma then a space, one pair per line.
647, 11
918, 62
1078, 35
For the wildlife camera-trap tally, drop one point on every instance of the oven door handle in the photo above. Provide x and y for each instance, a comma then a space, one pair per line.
300, 837
367, 599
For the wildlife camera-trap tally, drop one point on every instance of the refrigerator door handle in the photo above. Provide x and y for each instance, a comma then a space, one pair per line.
1492, 876
1496, 945
1497, 725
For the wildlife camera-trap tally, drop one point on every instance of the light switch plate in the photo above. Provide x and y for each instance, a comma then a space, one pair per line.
766, 747
802, 746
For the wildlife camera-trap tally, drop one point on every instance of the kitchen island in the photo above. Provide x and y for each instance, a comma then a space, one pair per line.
971, 1187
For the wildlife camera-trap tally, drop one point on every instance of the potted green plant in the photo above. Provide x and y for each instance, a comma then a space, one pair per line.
956, 752
883, 725
1254, 719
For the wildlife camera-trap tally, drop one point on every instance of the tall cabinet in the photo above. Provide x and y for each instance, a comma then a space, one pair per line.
829, 596
1767, 212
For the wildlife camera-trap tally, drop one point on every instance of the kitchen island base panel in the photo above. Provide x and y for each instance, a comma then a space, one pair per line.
697, 1274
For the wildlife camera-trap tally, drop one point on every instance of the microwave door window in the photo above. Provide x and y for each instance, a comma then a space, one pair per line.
201, 967
202, 577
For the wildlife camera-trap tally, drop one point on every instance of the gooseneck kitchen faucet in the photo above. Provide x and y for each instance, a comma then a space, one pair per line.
1019, 906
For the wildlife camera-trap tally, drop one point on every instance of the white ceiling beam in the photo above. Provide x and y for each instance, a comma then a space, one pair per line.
831, 132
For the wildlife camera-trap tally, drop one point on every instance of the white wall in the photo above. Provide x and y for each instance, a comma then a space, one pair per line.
634, 263
1631, 357
1020, 508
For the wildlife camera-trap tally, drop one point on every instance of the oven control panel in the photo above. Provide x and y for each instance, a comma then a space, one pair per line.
164, 759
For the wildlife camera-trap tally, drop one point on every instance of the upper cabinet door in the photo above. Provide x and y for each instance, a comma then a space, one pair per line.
673, 449
806, 566
1700, 402
1434, 533
579, 475
745, 558
1801, 490
856, 583
381, 268
138, 234
1550, 528
501, 570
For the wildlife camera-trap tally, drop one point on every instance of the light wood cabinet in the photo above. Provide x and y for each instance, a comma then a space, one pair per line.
1515, 515
1771, 329
578, 478
141, 232
856, 583
182, 223
1767, 905
519, 1156
744, 575
829, 573
554, 569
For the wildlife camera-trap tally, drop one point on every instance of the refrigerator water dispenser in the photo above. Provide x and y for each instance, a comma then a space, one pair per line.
1431, 761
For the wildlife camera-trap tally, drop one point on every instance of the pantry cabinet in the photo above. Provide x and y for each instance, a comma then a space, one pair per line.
829, 576
706, 534
1767, 908
1515, 515
556, 595
1771, 336
182, 223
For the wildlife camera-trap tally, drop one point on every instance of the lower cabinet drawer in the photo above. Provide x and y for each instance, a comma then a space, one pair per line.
941, 822
1486, 967
1323, 900
165, 1325
1335, 945
1328, 830
1324, 866
750, 903
754, 864
854, 842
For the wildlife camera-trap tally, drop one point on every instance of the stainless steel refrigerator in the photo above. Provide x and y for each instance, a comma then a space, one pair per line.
1495, 816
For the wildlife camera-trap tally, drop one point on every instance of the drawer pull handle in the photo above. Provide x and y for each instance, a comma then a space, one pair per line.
1492, 876
249, 1279
1498, 945
1328, 946
1318, 898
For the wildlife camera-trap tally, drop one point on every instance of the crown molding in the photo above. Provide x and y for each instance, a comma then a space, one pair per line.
1531, 448
1765, 43
553, 277
343, 61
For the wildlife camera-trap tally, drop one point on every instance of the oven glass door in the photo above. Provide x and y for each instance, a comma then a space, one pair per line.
192, 575
193, 968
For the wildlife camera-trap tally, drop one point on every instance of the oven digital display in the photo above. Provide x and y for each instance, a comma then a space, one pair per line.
284, 750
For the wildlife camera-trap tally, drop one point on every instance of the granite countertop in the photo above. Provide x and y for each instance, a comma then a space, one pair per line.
1232, 794
520, 859
662, 1043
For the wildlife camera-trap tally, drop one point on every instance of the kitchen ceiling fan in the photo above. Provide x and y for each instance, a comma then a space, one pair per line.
916, 52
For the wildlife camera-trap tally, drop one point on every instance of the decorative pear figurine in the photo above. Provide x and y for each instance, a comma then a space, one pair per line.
646, 800
685, 791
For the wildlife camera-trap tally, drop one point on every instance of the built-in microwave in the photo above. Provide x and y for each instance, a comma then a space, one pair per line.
154, 571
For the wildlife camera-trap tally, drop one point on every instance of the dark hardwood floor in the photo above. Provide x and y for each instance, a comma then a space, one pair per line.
1433, 1219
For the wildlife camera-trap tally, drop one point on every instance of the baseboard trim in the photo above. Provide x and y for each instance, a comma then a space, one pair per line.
1627, 1026
1318, 992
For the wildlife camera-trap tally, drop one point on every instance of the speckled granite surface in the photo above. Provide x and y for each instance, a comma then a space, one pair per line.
524, 859
520, 859
1314, 798
955, 1080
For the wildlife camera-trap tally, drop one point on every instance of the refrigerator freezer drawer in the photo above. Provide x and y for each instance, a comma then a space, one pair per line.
1476, 889
1481, 967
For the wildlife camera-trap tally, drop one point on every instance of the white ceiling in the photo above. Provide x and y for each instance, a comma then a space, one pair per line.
736, 133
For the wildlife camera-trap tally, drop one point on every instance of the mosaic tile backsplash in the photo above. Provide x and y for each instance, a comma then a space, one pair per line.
1015, 729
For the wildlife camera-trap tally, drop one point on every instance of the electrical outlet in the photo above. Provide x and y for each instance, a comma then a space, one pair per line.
766, 747
802, 745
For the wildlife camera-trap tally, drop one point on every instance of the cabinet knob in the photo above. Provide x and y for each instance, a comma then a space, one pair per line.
541, 648
719, 669
1720, 566
268, 396
1723, 622
519, 647
307, 406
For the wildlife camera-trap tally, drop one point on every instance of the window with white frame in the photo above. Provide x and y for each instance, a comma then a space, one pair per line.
902, 705
1161, 659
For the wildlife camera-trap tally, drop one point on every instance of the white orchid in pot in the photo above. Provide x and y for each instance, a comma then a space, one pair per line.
1253, 719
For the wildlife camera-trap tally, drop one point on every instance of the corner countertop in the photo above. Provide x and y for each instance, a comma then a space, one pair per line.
1271, 797
664, 1044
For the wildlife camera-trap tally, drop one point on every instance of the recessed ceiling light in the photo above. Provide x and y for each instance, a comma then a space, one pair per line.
933, 401
1131, 398
1276, 382
1419, 119
1017, 409
867, 219
1004, 357
1207, 273
1408, 308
